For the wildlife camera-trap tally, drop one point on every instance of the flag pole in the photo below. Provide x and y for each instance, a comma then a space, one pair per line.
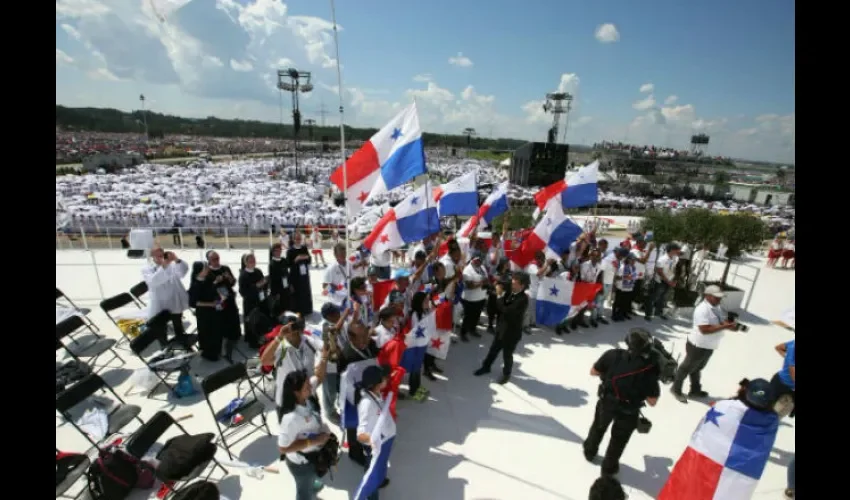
342, 135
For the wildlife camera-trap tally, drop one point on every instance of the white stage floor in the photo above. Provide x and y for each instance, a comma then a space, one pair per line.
475, 439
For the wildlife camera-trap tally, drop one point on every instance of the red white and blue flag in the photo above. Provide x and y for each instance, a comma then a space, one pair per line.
578, 190
553, 235
559, 299
383, 437
726, 456
393, 156
495, 205
459, 196
412, 220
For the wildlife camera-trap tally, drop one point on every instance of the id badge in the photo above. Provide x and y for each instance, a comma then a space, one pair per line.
262, 295
303, 269
223, 291
285, 283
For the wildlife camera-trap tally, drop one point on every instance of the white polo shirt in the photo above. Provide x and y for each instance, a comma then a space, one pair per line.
381, 259
449, 264
470, 274
706, 314
368, 411
666, 264
288, 359
336, 277
590, 271
300, 423
609, 269
640, 267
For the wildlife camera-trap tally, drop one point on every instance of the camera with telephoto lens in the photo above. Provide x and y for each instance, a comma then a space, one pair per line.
739, 327
664, 360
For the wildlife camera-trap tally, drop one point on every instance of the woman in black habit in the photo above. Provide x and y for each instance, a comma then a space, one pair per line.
226, 310
279, 284
252, 288
299, 273
203, 297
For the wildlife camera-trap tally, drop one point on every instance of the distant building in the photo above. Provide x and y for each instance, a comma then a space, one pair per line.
110, 161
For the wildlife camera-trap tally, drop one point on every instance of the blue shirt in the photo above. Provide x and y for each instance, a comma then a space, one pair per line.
785, 373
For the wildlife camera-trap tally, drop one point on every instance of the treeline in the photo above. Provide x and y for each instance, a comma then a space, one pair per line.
117, 121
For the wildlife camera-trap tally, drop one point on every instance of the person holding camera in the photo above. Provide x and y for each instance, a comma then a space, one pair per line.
630, 379
164, 277
302, 432
511, 306
710, 323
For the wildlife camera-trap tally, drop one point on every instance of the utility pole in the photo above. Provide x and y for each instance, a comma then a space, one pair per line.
322, 112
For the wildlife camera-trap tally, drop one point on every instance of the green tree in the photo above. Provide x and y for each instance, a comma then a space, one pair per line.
740, 233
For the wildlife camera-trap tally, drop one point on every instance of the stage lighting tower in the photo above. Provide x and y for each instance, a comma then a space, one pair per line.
294, 81
557, 103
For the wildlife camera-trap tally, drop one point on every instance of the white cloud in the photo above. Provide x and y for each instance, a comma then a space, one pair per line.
645, 103
671, 99
62, 58
242, 66
423, 77
646, 87
460, 60
607, 33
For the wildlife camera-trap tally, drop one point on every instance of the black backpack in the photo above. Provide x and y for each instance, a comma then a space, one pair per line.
182, 454
116, 473
199, 490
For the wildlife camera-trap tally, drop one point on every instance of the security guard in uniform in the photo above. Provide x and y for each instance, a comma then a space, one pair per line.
629, 378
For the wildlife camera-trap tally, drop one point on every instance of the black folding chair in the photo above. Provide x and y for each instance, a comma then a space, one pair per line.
118, 417
249, 410
149, 434
166, 372
139, 290
92, 351
62, 299
113, 306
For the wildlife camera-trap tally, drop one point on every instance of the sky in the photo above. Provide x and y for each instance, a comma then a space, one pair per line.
652, 72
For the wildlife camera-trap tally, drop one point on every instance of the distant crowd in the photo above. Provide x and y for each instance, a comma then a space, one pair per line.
660, 152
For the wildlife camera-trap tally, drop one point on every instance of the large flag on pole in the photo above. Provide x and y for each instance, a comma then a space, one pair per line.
495, 205
459, 196
383, 436
412, 220
578, 190
393, 156
553, 235
726, 456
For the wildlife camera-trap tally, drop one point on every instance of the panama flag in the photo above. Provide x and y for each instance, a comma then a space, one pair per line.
726, 456
412, 220
383, 436
392, 157
417, 340
553, 235
441, 337
495, 205
347, 385
578, 190
458, 197
559, 299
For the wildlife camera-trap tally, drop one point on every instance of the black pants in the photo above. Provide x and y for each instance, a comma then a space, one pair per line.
471, 315
639, 294
161, 321
415, 381
656, 299
696, 359
430, 363
625, 422
507, 345
622, 304
355, 449
492, 310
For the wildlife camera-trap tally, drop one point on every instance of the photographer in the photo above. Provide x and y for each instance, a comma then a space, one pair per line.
709, 324
511, 305
629, 378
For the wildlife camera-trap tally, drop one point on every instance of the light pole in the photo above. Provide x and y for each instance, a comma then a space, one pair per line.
557, 104
144, 116
294, 81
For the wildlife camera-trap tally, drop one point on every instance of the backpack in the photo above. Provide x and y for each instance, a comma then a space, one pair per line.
182, 454
115, 473
325, 458
199, 490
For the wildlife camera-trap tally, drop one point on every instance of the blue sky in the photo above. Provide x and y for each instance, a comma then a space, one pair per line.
659, 71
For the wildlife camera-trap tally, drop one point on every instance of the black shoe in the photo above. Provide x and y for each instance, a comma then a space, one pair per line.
627, 316
573, 327
679, 396
594, 324
590, 457
559, 330
617, 319
481, 371
504, 380
648, 318
436, 369
697, 394
430, 376
603, 320
384, 484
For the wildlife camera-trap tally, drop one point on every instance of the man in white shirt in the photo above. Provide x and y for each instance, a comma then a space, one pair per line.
663, 281
335, 282
591, 272
381, 263
640, 252
164, 277
609, 266
535, 270
474, 295
710, 322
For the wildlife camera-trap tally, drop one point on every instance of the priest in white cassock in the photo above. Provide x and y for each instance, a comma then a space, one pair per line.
164, 275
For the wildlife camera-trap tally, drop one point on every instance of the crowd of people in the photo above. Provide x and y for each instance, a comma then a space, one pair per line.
660, 152
375, 303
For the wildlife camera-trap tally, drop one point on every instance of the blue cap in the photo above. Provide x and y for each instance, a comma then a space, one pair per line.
401, 273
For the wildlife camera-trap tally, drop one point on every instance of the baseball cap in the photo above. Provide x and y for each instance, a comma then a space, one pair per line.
714, 291
760, 394
401, 273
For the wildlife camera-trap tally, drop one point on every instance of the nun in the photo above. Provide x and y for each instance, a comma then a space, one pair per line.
299, 273
279, 283
253, 287
203, 296
227, 312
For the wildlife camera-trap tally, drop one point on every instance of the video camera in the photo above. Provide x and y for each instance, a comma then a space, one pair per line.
739, 327
664, 360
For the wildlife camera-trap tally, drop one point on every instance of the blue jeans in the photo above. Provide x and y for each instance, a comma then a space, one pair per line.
656, 300
330, 391
791, 479
305, 478
599, 302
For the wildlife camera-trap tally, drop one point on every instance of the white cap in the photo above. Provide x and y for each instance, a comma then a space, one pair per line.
714, 291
